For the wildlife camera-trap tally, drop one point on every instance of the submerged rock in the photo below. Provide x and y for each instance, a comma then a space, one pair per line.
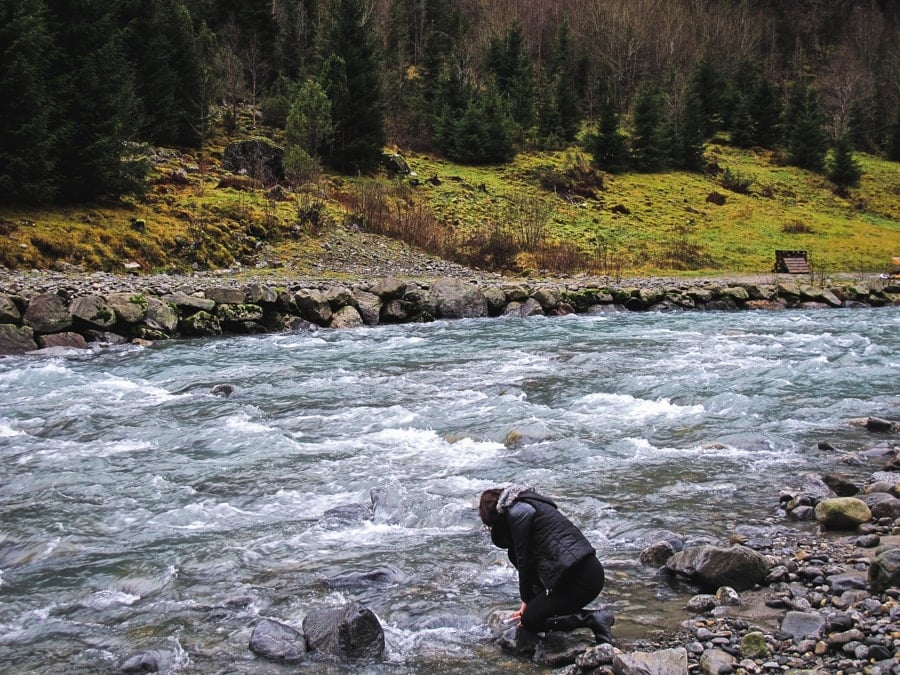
277, 641
348, 632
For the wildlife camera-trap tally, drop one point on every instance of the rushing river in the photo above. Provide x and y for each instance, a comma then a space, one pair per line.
141, 512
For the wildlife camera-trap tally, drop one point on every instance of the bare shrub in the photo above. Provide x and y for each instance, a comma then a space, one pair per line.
797, 227
564, 257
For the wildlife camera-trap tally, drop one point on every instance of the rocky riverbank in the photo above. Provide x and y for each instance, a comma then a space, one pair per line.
816, 590
69, 309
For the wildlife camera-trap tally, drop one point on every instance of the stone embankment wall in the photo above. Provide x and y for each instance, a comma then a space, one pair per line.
112, 310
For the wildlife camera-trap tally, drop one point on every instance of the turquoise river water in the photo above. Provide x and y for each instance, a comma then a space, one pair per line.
141, 512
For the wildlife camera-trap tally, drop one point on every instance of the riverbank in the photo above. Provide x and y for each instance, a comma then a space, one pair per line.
74, 309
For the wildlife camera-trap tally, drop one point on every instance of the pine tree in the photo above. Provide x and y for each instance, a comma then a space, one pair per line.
357, 107
689, 133
482, 135
451, 99
709, 86
508, 62
649, 150
765, 111
162, 48
565, 93
743, 126
893, 147
805, 138
844, 171
94, 102
26, 141
608, 146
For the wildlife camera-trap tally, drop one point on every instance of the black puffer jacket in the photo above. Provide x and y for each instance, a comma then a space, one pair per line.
543, 543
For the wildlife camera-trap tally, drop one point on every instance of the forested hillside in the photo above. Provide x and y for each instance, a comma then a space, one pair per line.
89, 87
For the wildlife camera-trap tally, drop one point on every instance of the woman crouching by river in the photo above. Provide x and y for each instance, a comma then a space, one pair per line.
559, 573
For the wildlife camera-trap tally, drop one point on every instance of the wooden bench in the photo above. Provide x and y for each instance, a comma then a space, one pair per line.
791, 262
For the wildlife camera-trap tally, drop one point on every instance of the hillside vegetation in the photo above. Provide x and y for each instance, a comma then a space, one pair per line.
541, 213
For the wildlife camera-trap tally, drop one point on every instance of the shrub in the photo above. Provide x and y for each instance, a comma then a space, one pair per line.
735, 182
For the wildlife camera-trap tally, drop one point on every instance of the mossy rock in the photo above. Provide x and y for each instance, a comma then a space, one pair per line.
842, 513
200, 324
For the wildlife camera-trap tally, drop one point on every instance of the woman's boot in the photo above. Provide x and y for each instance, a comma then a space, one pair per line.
599, 621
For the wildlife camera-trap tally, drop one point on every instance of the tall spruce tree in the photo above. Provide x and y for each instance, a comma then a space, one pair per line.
805, 140
482, 135
508, 62
162, 48
893, 145
357, 106
563, 69
608, 146
26, 140
688, 132
844, 170
649, 151
765, 111
94, 104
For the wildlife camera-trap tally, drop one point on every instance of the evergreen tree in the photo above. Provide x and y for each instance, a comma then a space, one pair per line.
309, 122
26, 142
844, 171
743, 126
893, 147
94, 102
357, 106
566, 98
608, 146
451, 99
508, 62
308, 126
709, 86
649, 150
689, 133
765, 111
482, 135
805, 138
162, 48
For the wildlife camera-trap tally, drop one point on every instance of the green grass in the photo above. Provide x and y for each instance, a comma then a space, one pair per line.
639, 223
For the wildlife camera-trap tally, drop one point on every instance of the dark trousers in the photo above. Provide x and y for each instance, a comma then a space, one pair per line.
578, 586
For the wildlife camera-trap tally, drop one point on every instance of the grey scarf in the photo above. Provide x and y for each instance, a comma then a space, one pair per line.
510, 495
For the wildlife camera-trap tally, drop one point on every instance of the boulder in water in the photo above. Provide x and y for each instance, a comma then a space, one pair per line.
348, 632
277, 641
739, 567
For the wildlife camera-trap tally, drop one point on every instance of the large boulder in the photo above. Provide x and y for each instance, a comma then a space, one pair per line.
739, 567
277, 641
348, 632
257, 157
48, 313
456, 299
314, 306
884, 572
16, 339
200, 324
161, 316
368, 305
842, 513
93, 311
662, 662
129, 307
189, 304
346, 317
9, 311
65, 339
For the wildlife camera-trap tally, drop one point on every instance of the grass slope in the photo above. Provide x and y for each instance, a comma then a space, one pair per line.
636, 223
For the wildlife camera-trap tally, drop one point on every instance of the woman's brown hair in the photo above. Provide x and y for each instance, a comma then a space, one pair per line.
487, 506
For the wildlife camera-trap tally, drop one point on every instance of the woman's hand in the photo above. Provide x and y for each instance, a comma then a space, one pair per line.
518, 614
